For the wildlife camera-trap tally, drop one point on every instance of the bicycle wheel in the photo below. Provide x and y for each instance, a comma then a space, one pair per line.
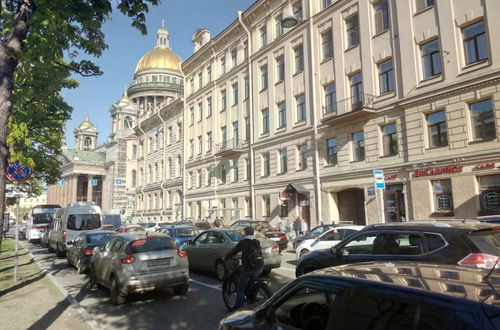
260, 293
229, 287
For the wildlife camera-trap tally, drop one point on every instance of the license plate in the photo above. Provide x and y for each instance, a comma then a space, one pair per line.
275, 238
159, 262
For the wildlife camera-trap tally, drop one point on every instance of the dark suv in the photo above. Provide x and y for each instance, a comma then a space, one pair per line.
395, 295
451, 242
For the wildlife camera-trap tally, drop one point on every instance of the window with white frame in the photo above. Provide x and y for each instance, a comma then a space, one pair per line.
223, 172
236, 170
191, 148
263, 77
234, 58
265, 120
209, 141
381, 14
222, 65
443, 196
352, 28
235, 93
475, 43
280, 68
283, 156
209, 107
431, 59
386, 76
358, 146
209, 73
277, 23
298, 53
281, 114
330, 98
331, 151
300, 100
247, 87
200, 111
298, 11
326, 44
266, 164
200, 145
223, 100
390, 139
302, 153
266, 206
325, 3
483, 120
423, 4
437, 130
263, 36
356, 89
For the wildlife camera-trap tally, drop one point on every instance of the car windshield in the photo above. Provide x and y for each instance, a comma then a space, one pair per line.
488, 241
186, 232
149, 244
45, 210
133, 229
43, 218
84, 221
98, 238
264, 228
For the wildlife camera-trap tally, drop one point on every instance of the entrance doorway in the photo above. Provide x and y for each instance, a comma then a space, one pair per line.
351, 205
394, 202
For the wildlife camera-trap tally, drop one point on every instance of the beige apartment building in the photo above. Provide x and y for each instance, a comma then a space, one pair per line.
284, 122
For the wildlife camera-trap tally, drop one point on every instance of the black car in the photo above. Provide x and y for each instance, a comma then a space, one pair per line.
466, 243
399, 295
82, 248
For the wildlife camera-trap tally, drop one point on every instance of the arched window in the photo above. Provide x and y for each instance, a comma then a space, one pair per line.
87, 143
127, 122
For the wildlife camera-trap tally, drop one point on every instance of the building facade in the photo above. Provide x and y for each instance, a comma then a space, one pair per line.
285, 122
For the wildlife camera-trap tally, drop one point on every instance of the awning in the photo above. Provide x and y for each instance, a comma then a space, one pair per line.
296, 188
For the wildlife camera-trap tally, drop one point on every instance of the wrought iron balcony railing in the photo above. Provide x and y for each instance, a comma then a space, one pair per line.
354, 107
229, 147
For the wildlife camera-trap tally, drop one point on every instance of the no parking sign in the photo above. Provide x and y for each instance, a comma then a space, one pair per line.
17, 172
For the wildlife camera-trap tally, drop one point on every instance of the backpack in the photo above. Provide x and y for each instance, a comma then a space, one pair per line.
254, 256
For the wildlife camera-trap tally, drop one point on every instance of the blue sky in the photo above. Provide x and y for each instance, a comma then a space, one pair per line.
126, 46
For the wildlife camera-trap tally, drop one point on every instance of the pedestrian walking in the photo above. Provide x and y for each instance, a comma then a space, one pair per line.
217, 222
279, 225
297, 226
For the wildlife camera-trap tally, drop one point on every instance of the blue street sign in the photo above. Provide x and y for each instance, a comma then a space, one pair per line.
380, 185
17, 172
94, 182
378, 172
118, 181
60, 182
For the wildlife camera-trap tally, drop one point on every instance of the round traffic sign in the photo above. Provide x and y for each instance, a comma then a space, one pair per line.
17, 172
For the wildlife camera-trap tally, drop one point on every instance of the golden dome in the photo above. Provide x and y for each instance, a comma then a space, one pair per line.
161, 57
124, 99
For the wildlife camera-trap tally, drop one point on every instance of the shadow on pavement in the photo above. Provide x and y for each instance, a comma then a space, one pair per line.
19, 265
46, 320
40, 275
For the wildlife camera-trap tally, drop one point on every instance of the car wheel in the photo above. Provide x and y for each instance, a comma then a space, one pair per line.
59, 253
220, 270
304, 251
51, 250
182, 290
116, 297
92, 278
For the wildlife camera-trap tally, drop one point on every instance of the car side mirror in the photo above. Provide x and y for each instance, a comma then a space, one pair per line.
259, 316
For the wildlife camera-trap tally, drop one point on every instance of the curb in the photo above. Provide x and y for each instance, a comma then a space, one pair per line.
87, 317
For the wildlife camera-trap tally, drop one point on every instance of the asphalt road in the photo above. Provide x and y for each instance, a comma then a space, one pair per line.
202, 308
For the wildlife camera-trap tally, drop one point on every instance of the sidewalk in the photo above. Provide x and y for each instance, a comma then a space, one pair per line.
33, 302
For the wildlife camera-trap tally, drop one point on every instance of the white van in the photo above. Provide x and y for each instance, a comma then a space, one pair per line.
71, 221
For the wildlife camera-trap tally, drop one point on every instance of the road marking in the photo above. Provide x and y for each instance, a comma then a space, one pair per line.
205, 284
289, 269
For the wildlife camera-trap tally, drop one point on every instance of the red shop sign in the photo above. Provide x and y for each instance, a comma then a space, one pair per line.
391, 177
437, 171
485, 166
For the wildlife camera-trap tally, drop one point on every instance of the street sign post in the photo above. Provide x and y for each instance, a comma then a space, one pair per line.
17, 172
378, 175
94, 182
118, 181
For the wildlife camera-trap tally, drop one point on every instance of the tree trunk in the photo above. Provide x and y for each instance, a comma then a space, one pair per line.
8, 65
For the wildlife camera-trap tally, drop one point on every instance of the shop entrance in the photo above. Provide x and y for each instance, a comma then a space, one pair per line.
394, 203
352, 206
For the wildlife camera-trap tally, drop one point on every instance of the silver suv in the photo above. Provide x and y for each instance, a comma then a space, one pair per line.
131, 263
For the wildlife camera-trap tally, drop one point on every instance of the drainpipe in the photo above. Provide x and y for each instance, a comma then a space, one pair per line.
142, 189
312, 97
184, 121
250, 101
163, 159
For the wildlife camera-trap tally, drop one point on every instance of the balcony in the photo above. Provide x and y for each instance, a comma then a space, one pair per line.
354, 108
229, 148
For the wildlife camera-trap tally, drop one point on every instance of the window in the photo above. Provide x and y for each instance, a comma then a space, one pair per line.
200, 80
443, 197
223, 134
170, 135
483, 120
191, 85
265, 121
134, 151
381, 11
223, 100
245, 49
209, 176
191, 148
223, 173
209, 141
386, 76
209, 73
236, 172
128, 123
198, 178
358, 146
247, 88
390, 140
263, 77
266, 203
200, 111
356, 90
87, 143
234, 58
327, 44
325, 3
263, 36
283, 154
431, 59
209, 107
302, 157
352, 27
281, 114
191, 116
279, 27
222, 65
299, 58
280, 68
422, 4
247, 169
331, 151
236, 134
301, 107
200, 145
297, 11
489, 187
284, 208
330, 98
361, 244
266, 164
247, 129
438, 133
235, 93
476, 49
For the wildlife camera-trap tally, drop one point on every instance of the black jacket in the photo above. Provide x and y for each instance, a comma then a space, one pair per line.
244, 246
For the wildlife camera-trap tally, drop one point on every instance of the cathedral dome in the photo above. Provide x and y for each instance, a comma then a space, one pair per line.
161, 57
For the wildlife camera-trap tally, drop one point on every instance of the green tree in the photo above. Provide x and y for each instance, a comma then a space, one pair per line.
42, 43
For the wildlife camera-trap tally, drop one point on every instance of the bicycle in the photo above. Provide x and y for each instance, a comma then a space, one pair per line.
257, 289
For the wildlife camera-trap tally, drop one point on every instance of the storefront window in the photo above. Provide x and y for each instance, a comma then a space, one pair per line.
443, 197
284, 208
266, 203
489, 186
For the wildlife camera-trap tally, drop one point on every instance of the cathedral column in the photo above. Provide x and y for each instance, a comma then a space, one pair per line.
90, 188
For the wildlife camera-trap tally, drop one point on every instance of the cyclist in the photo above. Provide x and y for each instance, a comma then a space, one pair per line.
251, 260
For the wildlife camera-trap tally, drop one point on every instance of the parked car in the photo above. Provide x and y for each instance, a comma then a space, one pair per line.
181, 233
398, 295
44, 240
81, 250
39, 218
203, 225
465, 243
489, 218
266, 229
130, 229
185, 222
207, 251
131, 263
326, 240
108, 227
70, 221
318, 230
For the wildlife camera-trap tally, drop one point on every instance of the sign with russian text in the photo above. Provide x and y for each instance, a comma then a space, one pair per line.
437, 171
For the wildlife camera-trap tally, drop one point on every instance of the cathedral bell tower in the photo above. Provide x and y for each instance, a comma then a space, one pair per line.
86, 135
123, 118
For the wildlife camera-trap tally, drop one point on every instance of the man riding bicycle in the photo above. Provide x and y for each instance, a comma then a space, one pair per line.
251, 260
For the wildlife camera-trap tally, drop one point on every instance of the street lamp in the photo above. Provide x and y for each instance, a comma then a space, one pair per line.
289, 22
